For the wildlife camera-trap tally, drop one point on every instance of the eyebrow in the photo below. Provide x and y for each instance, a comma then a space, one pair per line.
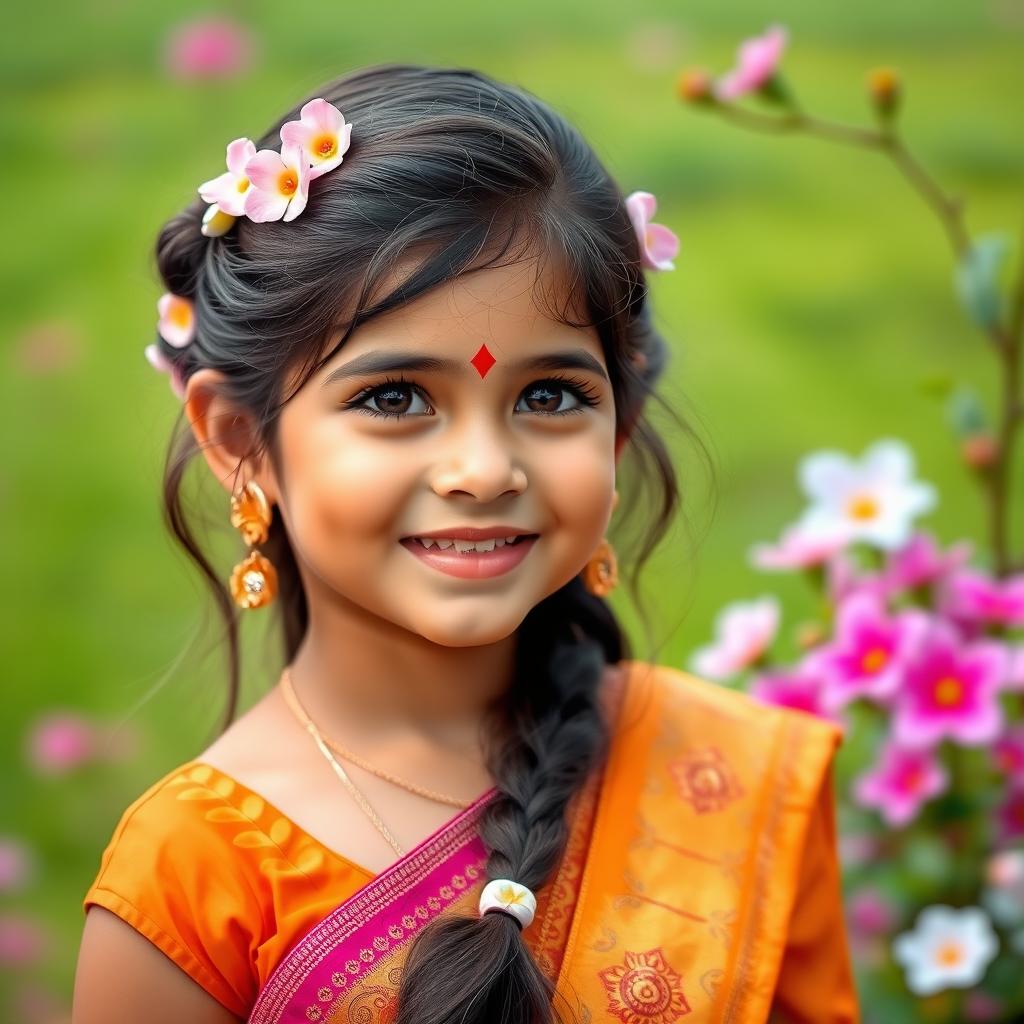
388, 362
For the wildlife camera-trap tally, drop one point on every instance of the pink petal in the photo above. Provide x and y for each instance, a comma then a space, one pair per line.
662, 246
297, 133
263, 206
323, 166
174, 333
224, 192
263, 170
641, 207
157, 359
240, 152
322, 116
297, 204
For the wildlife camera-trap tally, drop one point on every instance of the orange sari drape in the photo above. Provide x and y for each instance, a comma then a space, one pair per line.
700, 880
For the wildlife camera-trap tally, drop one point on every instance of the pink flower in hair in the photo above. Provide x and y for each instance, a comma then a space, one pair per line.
321, 134
177, 324
756, 63
659, 245
229, 190
280, 184
160, 362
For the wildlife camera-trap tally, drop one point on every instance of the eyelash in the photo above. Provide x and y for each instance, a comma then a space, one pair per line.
581, 389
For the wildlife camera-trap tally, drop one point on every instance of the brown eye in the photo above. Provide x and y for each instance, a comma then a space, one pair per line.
392, 398
546, 397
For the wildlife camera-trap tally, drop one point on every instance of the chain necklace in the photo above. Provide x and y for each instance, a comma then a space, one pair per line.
300, 714
294, 705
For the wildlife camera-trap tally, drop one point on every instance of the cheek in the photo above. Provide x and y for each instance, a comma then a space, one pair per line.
345, 490
577, 489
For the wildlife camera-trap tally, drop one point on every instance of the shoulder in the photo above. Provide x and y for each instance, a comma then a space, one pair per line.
174, 872
705, 725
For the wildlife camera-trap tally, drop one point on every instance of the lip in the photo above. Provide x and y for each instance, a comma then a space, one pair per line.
474, 565
475, 532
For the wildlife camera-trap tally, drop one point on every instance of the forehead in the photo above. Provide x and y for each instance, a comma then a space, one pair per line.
514, 309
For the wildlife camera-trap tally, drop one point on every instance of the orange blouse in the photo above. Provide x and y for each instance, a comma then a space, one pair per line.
711, 865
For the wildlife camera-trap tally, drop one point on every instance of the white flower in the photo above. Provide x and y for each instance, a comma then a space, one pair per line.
948, 948
743, 632
873, 500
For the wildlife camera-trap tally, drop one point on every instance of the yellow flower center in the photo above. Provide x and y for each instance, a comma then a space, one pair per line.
949, 954
509, 895
325, 146
864, 506
242, 184
874, 659
288, 183
180, 314
949, 691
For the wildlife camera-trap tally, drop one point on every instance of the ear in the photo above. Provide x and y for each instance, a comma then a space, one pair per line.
226, 435
620, 443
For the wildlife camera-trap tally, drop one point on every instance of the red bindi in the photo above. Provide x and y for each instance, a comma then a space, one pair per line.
483, 361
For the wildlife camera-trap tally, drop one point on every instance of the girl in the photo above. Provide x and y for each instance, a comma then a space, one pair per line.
411, 332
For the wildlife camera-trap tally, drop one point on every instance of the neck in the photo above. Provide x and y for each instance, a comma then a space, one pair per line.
366, 682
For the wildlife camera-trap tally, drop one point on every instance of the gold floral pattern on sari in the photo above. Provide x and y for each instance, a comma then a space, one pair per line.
644, 989
705, 780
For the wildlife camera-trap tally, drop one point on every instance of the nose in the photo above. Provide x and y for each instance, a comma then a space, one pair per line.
477, 461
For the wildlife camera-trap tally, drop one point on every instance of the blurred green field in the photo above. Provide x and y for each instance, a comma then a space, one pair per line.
812, 295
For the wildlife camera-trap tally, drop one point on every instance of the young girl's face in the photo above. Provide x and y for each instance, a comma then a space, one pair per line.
371, 458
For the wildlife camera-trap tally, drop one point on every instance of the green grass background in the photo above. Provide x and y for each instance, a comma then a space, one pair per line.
812, 295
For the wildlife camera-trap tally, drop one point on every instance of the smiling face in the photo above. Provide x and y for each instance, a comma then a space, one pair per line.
370, 458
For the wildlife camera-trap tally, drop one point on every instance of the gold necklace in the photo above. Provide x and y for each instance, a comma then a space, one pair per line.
351, 755
300, 714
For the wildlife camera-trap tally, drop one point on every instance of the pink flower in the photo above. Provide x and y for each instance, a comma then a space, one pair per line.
870, 650
951, 690
280, 184
844, 578
921, 562
229, 190
798, 688
16, 865
796, 550
900, 783
743, 633
869, 913
60, 742
659, 245
1010, 814
756, 64
209, 48
177, 323
1008, 753
22, 941
976, 597
161, 363
321, 134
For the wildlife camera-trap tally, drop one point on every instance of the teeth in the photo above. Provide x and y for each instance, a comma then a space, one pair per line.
463, 546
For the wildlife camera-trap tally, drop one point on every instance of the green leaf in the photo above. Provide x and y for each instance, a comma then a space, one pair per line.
977, 279
965, 412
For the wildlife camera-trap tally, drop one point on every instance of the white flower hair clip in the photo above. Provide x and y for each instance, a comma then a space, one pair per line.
271, 185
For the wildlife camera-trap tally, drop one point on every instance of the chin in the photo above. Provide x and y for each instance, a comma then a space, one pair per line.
479, 633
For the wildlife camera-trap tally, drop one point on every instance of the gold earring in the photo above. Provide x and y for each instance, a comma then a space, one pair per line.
254, 580
601, 574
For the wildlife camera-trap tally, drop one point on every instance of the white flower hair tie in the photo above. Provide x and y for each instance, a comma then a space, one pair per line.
508, 897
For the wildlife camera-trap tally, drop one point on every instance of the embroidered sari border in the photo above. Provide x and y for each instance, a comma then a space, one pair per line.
395, 883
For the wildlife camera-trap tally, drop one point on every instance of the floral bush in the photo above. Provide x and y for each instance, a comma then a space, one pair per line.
918, 650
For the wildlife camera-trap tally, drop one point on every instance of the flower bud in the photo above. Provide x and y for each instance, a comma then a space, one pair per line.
884, 88
979, 451
216, 222
695, 85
